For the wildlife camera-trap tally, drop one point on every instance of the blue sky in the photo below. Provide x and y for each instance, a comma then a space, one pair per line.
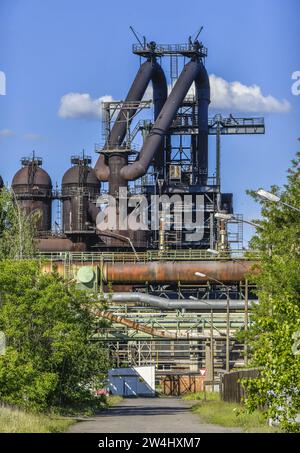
49, 49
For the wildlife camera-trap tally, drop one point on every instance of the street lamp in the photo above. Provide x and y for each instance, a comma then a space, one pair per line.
274, 198
223, 216
201, 275
213, 252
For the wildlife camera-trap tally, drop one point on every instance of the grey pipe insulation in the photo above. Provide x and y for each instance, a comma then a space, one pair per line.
171, 304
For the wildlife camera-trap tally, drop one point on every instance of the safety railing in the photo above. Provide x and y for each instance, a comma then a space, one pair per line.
153, 255
170, 49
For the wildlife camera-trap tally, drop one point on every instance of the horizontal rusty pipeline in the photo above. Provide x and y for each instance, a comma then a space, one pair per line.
59, 245
180, 271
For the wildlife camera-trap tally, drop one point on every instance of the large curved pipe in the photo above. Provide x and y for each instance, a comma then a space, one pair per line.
192, 71
149, 71
178, 271
169, 304
102, 169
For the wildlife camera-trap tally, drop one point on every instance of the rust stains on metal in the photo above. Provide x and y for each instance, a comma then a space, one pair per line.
146, 329
59, 245
166, 272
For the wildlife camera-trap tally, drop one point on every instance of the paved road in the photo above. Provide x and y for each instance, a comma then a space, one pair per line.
148, 415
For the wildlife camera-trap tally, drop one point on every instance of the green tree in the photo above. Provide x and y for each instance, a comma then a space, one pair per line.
17, 229
276, 319
50, 360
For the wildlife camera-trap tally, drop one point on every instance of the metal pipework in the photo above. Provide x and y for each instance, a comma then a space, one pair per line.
149, 71
59, 245
93, 211
174, 304
116, 162
203, 98
168, 272
192, 71
154, 332
101, 168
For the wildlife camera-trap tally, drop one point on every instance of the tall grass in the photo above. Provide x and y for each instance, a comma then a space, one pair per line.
231, 415
18, 421
208, 396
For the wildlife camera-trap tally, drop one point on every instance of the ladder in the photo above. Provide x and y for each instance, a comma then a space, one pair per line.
173, 69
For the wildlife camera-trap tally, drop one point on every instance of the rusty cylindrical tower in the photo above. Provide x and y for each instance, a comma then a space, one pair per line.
32, 187
80, 188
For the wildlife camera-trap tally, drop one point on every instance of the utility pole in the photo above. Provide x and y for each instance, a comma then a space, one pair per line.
227, 333
218, 155
246, 323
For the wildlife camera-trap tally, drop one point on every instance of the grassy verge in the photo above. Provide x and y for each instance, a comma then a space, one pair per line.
230, 415
112, 400
209, 396
18, 421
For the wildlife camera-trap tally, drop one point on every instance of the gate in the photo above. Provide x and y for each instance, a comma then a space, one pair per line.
180, 384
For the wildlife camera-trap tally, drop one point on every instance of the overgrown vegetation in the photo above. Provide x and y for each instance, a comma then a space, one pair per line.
230, 415
275, 331
16, 228
49, 359
18, 421
50, 362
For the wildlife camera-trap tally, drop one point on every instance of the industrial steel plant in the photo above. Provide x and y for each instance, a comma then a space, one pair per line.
177, 290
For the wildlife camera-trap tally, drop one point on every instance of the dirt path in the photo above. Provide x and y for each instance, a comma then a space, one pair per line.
149, 415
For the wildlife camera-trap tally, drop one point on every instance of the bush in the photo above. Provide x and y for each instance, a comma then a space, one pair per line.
275, 321
50, 360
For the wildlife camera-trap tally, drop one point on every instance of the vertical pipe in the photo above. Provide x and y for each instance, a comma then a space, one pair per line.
116, 162
246, 322
227, 333
161, 233
212, 347
203, 98
223, 235
218, 156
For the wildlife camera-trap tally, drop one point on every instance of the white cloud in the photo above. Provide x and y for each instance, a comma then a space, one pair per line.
81, 105
32, 137
232, 96
6, 133
243, 98
236, 97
